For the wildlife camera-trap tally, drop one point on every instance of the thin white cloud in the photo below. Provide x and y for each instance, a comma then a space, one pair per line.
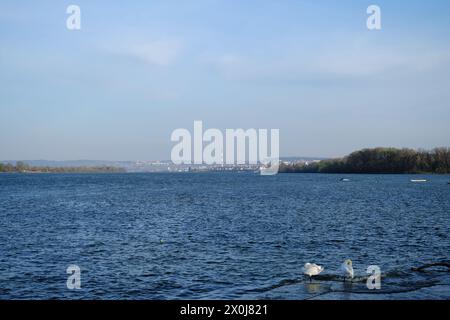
226, 64
354, 60
9, 15
368, 61
228, 60
220, 60
159, 53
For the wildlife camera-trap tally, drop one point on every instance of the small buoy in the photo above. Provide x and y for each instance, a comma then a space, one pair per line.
161, 241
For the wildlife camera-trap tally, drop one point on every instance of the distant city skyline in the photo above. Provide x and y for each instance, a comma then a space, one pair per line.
117, 88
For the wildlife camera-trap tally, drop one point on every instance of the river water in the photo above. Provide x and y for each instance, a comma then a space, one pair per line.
222, 235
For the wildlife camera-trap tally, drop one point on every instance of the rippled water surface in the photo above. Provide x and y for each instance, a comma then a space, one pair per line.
221, 236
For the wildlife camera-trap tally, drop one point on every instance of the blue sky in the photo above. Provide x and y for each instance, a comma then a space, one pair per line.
117, 88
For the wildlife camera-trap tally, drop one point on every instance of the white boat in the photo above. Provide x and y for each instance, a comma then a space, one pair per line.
419, 180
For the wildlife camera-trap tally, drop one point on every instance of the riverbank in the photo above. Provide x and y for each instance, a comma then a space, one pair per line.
21, 167
379, 161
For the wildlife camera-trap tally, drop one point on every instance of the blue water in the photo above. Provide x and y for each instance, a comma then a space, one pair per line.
221, 235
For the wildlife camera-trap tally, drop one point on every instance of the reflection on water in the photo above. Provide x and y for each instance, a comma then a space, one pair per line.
314, 288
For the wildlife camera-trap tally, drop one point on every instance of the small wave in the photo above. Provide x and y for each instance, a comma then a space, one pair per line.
282, 283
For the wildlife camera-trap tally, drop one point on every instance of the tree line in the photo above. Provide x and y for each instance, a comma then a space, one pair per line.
25, 168
379, 160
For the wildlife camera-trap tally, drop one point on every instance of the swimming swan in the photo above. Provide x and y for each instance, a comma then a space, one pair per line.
347, 269
312, 269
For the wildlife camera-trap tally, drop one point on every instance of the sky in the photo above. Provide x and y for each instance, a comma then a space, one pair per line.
137, 70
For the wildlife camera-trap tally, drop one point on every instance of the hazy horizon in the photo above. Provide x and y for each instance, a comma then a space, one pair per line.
136, 72
134, 160
282, 157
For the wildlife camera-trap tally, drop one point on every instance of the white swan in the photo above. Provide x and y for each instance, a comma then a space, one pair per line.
347, 269
312, 269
